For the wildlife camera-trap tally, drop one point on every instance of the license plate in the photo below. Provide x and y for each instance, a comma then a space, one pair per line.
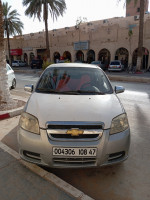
73, 152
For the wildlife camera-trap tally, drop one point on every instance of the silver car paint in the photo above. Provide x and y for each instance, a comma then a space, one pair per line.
52, 107
41, 144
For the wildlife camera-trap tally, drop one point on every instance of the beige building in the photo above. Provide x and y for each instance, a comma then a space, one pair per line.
105, 40
134, 9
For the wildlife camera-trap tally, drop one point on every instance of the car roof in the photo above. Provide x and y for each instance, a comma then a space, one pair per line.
115, 61
73, 65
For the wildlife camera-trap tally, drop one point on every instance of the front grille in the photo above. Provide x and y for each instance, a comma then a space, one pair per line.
59, 130
75, 161
65, 136
74, 126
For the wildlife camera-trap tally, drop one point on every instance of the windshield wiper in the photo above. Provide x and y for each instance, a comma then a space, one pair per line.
73, 92
90, 92
45, 90
55, 91
69, 92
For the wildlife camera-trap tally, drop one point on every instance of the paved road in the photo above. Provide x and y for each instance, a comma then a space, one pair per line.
128, 181
22, 80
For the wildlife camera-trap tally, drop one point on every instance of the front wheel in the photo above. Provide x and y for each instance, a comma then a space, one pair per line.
13, 84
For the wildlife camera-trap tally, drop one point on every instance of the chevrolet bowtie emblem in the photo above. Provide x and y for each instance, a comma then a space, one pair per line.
75, 132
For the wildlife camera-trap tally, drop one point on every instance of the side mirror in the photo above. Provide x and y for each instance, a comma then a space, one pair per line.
29, 88
119, 89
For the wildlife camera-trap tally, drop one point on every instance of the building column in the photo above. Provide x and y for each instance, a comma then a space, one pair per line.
112, 55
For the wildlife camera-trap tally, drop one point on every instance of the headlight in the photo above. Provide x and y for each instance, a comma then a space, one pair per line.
29, 123
119, 124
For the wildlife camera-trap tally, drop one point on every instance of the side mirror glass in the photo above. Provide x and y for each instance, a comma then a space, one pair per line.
29, 88
119, 89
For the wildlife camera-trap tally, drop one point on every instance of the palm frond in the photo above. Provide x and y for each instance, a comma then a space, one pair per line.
11, 20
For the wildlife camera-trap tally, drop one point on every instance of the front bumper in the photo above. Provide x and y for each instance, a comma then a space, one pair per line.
111, 149
115, 69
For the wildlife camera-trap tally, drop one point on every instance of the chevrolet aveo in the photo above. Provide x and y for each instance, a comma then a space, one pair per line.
73, 118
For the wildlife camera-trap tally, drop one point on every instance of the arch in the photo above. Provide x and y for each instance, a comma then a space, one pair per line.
80, 56
145, 57
56, 56
104, 56
67, 56
90, 56
123, 55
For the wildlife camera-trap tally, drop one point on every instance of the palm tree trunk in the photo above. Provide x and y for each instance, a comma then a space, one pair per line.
46, 30
5, 98
140, 42
10, 61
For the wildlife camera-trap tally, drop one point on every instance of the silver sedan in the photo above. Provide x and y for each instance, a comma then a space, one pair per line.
74, 118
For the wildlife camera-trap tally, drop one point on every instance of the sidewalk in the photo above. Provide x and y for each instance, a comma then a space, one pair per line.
128, 77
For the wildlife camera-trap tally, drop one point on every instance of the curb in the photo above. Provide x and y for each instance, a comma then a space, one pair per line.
58, 182
11, 113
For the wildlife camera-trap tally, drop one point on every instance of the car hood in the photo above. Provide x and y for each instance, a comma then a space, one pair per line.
54, 107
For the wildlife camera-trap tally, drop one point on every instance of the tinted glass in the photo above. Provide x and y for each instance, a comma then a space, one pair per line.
115, 63
35, 61
95, 62
71, 80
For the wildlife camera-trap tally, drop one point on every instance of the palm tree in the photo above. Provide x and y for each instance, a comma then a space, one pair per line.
140, 41
6, 102
141, 28
38, 7
12, 23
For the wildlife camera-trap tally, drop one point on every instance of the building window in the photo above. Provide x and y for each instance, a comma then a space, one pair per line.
138, 9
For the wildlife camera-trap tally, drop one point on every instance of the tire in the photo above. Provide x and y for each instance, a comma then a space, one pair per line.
13, 84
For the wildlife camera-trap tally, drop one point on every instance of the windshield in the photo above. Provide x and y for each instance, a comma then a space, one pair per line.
115, 63
71, 80
95, 62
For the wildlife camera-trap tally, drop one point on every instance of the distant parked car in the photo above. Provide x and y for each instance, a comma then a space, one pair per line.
36, 63
18, 63
116, 66
99, 63
11, 77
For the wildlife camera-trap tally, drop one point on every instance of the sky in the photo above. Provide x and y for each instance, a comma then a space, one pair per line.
91, 9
